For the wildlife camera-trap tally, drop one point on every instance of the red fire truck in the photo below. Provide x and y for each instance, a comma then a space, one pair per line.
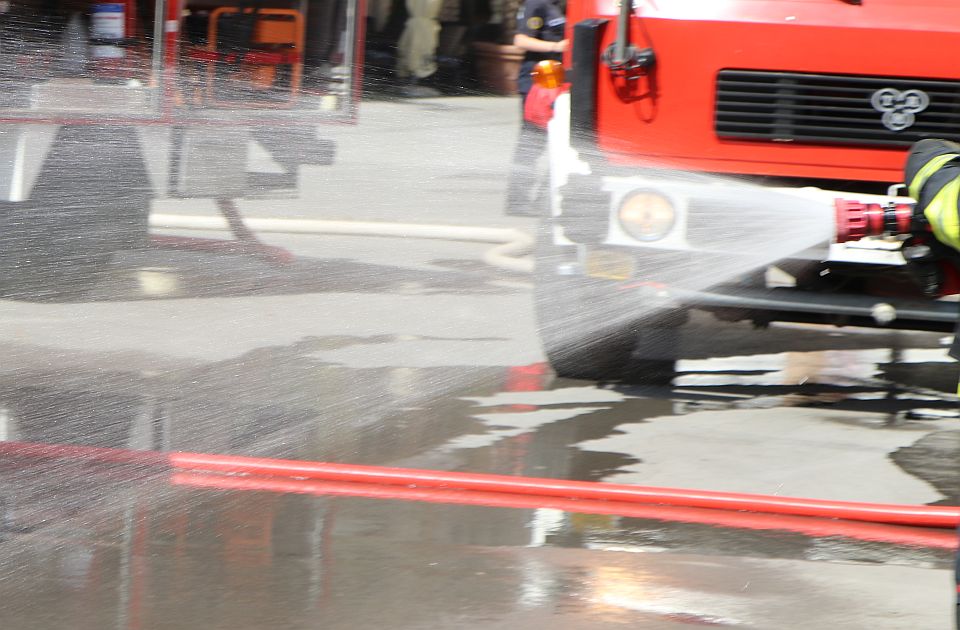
106, 106
672, 106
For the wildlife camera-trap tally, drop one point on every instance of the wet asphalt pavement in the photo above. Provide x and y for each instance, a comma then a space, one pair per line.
412, 353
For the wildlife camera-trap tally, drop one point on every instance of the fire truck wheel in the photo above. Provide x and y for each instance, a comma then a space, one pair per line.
576, 344
586, 330
38, 273
57, 252
90, 199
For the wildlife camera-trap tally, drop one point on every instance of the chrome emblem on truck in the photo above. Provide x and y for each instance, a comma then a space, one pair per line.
899, 108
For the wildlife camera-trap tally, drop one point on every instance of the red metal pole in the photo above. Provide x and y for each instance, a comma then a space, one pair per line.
130, 28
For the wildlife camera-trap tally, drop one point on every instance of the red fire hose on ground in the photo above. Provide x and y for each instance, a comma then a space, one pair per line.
874, 532
919, 515
868, 521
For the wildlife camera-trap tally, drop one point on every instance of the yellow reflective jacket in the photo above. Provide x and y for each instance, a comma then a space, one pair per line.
932, 176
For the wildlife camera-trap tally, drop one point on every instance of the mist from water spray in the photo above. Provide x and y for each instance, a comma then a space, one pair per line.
257, 379
727, 234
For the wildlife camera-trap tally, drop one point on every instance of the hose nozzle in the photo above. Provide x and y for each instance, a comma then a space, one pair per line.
856, 220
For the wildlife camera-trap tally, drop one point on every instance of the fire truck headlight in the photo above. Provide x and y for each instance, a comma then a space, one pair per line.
646, 215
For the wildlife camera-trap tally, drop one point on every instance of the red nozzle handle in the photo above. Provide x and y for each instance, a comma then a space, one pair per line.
856, 220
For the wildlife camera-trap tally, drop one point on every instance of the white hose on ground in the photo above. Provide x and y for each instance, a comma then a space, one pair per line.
511, 243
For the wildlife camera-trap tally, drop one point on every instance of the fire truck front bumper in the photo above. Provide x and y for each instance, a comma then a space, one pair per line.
741, 252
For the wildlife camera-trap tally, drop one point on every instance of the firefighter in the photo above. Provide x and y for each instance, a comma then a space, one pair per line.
932, 176
540, 28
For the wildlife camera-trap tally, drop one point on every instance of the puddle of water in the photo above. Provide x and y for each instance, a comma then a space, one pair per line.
523, 423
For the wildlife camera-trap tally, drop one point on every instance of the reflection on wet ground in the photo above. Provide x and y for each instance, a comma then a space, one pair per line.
163, 274
394, 352
793, 410
132, 551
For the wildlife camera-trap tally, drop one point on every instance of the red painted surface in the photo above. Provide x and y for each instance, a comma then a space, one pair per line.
667, 118
130, 26
255, 56
358, 55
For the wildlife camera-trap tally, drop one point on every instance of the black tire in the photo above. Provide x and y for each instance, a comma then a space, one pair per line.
576, 346
91, 199
586, 329
656, 351
51, 278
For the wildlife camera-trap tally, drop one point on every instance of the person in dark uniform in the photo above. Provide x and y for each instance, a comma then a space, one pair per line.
540, 28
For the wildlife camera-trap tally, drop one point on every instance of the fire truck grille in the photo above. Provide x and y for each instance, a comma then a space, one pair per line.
835, 109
